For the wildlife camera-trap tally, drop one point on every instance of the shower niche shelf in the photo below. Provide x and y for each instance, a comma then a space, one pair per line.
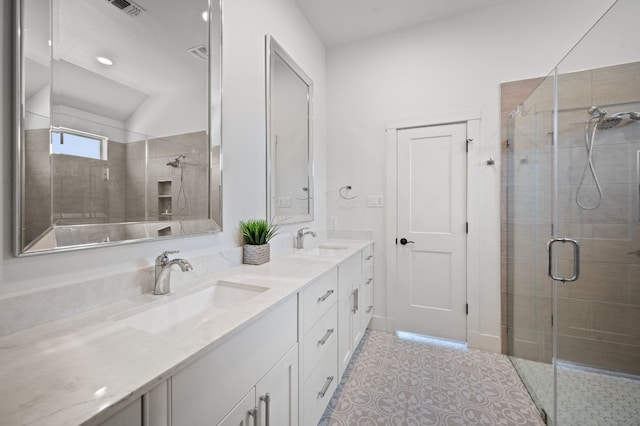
165, 199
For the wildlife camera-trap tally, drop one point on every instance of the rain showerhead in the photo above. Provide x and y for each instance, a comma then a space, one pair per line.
633, 115
608, 122
177, 162
603, 121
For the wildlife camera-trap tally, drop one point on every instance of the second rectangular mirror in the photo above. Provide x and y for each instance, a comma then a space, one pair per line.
289, 141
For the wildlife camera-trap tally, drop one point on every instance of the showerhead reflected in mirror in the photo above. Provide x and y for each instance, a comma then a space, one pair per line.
289, 144
112, 93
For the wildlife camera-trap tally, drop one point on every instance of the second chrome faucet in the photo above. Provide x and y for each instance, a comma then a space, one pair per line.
163, 272
300, 236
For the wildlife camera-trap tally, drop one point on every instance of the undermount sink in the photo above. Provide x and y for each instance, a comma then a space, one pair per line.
325, 250
203, 304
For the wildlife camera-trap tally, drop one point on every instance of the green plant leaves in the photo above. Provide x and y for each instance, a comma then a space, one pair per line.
257, 231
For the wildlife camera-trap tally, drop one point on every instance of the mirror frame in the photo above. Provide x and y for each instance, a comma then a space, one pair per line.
200, 226
272, 49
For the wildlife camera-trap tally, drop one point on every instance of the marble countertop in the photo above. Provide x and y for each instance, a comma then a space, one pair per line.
85, 368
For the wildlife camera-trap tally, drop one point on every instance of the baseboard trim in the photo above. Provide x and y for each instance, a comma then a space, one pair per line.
485, 342
378, 323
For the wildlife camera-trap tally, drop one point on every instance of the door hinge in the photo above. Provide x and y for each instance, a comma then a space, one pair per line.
466, 228
467, 146
466, 309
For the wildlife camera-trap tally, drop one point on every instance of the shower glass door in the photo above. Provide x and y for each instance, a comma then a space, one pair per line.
574, 173
529, 221
598, 182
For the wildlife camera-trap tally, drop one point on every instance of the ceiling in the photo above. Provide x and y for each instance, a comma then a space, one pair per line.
150, 52
342, 21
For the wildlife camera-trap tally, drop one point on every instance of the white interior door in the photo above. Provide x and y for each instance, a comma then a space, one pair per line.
431, 212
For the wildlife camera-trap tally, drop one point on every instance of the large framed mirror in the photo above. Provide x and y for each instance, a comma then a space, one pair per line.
118, 131
289, 138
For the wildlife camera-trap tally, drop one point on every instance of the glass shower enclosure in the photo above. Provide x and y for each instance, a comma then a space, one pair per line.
573, 230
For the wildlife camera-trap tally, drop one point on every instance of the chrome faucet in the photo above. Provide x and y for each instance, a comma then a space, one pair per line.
163, 272
300, 237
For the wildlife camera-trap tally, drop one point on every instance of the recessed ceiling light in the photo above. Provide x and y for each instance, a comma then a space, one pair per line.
205, 15
104, 61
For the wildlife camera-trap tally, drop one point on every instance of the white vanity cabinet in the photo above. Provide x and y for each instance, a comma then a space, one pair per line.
355, 303
131, 415
366, 291
274, 399
244, 413
319, 355
253, 360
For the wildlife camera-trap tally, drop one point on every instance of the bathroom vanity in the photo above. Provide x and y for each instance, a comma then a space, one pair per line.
248, 345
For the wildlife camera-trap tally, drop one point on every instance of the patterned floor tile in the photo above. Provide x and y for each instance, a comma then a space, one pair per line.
394, 381
585, 398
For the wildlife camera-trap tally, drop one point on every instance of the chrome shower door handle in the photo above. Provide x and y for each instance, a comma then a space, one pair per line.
576, 259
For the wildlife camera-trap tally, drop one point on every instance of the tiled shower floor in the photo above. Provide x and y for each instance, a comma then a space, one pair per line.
393, 381
585, 398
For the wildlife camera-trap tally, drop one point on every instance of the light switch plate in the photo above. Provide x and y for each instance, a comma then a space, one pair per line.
284, 202
375, 201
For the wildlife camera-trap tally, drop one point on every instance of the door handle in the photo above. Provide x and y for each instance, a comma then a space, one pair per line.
404, 241
576, 259
267, 404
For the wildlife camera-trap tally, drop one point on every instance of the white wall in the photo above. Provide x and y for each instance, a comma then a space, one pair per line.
172, 113
440, 68
244, 183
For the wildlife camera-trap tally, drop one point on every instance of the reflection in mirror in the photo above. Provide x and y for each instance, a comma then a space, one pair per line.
289, 118
119, 135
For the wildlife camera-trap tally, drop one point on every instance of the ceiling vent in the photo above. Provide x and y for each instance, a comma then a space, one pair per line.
127, 6
199, 52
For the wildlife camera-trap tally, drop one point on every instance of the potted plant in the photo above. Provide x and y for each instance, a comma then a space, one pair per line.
256, 234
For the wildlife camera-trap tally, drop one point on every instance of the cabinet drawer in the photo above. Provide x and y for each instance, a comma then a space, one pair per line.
204, 392
318, 297
319, 340
367, 257
131, 415
349, 271
319, 388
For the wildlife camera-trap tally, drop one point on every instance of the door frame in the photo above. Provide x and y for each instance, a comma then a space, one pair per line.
472, 119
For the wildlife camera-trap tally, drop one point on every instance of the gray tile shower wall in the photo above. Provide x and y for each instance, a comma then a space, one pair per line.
597, 315
37, 182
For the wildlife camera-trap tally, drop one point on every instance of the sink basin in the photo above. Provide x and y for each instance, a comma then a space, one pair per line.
202, 304
325, 250
333, 247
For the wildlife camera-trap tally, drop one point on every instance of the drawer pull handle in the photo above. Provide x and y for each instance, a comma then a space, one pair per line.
325, 337
267, 404
324, 389
325, 296
370, 309
369, 281
369, 257
356, 303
